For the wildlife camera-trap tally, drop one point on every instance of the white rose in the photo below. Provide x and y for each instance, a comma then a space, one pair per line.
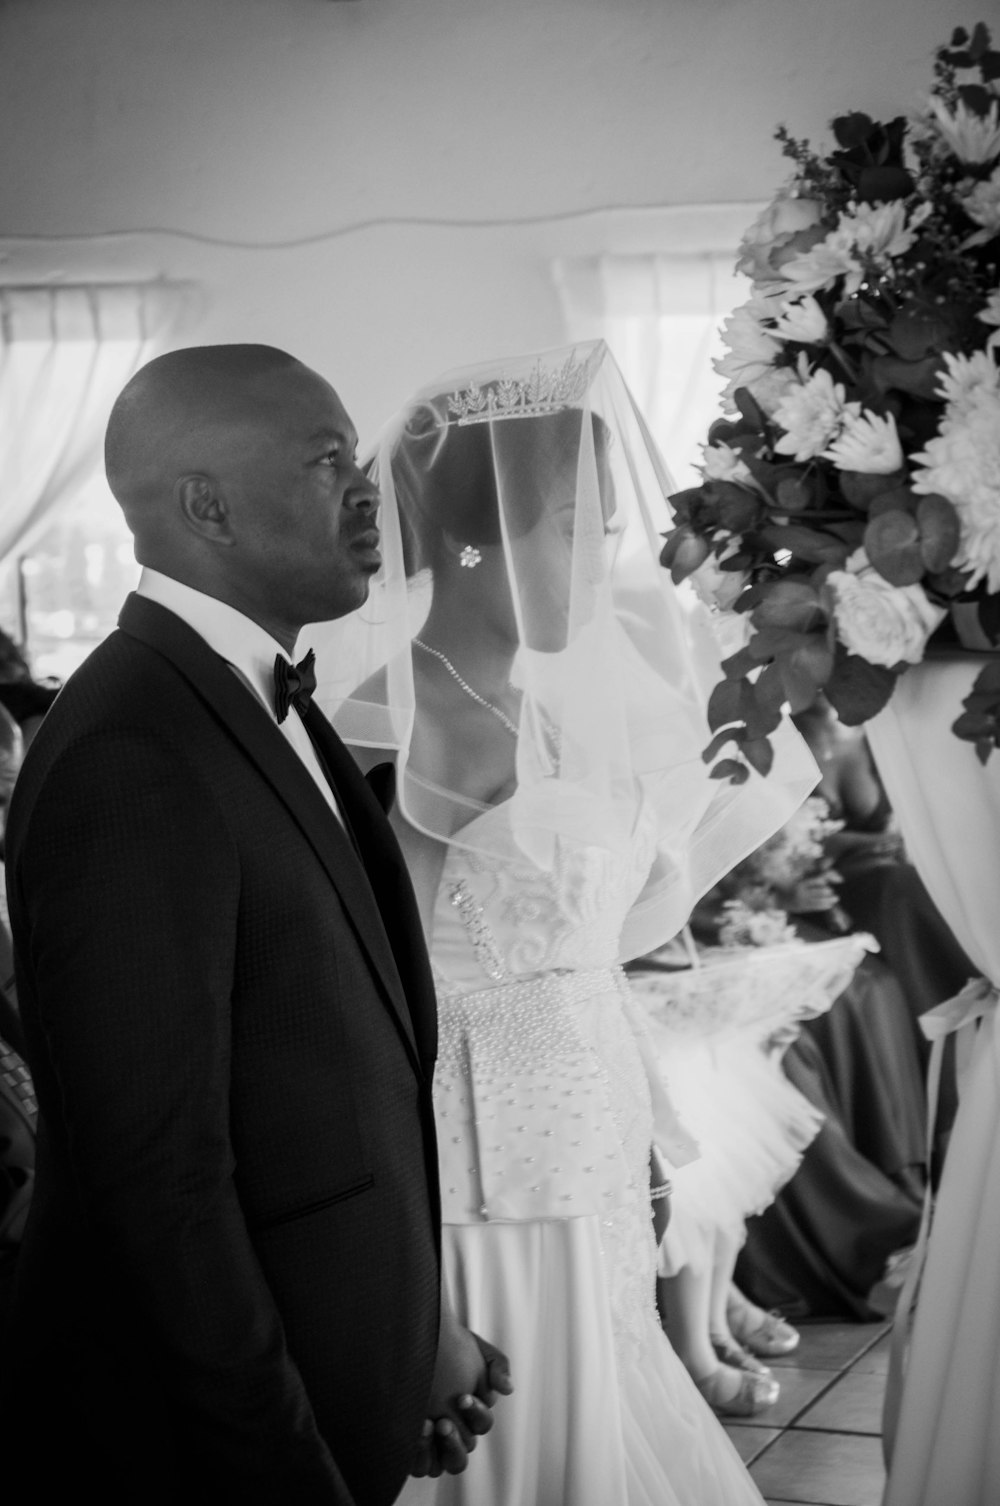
790, 223
880, 622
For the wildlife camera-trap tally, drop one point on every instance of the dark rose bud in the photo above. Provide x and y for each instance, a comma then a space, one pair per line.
683, 552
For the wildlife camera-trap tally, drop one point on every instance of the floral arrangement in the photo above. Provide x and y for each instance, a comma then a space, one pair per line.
851, 500
757, 894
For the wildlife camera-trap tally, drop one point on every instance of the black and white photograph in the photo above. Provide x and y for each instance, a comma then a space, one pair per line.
500, 752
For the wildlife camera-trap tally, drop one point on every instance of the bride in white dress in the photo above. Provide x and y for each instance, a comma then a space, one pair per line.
541, 687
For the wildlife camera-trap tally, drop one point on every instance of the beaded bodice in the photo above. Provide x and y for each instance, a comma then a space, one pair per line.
542, 1098
499, 917
542, 1095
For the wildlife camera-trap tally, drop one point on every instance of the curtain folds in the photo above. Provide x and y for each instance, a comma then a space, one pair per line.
947, 1447
660, 313
65, 353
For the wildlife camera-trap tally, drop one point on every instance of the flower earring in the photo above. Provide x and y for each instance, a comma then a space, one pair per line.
468, 555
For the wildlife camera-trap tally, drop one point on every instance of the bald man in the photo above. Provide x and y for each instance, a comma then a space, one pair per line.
229, 1286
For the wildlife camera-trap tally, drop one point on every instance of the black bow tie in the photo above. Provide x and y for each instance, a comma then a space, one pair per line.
294, 684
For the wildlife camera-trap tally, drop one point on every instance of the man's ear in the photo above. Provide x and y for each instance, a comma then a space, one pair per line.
203, 508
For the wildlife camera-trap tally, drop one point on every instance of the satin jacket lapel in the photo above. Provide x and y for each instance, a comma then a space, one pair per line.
387, 871
259, 739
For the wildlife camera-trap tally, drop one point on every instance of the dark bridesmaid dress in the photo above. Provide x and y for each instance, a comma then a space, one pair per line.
856, 1197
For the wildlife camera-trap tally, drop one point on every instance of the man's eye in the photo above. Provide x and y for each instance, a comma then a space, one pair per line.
331, 457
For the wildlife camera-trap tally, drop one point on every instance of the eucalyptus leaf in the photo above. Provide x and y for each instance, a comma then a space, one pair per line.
792, 604
892, 543
894, 499
795, 494
805, 671
761, 719
860, 488
727, 735
940, 531
731, 769
759, 754
972, 725
739, 664
769, 688
767, 642
727, 703
857, 690
806, 543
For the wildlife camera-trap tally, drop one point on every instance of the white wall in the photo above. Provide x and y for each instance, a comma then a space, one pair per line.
146, 137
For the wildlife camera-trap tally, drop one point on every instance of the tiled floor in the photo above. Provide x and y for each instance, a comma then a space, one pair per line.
819, 1445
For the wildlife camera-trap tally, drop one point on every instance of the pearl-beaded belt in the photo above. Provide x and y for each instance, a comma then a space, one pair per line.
526, 1128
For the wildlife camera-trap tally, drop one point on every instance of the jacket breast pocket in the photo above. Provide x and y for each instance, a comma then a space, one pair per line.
304, 1210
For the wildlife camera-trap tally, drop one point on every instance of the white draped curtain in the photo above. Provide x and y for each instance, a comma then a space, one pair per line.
947, 1448
65, 353
660, 314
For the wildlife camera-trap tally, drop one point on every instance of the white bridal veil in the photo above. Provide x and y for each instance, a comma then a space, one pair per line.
537, 476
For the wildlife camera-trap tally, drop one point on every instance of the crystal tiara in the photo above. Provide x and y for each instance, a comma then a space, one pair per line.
508, 397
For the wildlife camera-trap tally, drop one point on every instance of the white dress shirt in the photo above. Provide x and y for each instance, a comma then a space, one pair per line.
247, 649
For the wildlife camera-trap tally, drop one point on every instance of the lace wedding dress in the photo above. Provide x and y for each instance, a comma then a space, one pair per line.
545, 1109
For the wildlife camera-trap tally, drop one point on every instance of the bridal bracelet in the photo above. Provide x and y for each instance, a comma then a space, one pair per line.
662, 1189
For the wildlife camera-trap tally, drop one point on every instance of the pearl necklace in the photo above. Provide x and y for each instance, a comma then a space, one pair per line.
474, 695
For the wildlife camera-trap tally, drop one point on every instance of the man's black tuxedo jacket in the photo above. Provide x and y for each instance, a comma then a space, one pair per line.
231, 1266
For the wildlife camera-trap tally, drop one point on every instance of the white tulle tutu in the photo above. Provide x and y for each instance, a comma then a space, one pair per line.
710, 1026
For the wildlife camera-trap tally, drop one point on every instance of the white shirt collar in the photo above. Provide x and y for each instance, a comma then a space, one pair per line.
238, 639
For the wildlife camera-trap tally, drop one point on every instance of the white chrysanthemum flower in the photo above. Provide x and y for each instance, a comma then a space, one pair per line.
963, 378
878, 621
883, 230
990, 314
812, 413
723, 463
752, 349
962, 463
982, 204
819, 268
865, 234
970, 136
801, 319
868, 443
